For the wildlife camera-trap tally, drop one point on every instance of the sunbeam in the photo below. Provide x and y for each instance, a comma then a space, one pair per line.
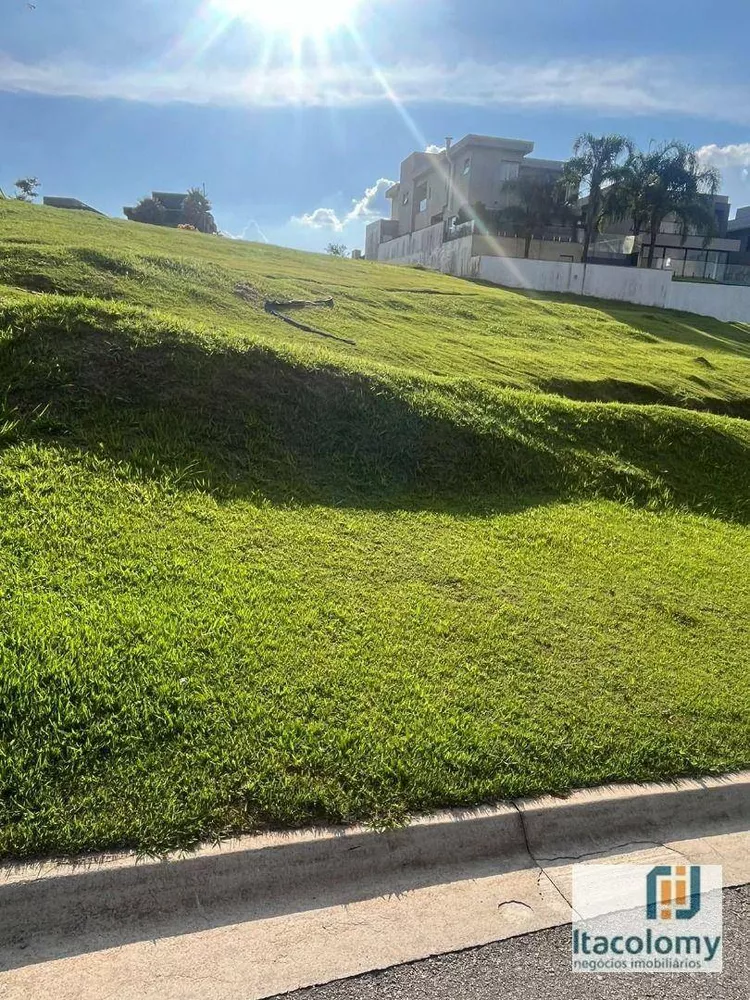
293, 18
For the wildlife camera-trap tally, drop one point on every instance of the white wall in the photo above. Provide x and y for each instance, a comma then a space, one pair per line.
423, 241
727, 302
542, 275
628, 284
640, 286
426, 247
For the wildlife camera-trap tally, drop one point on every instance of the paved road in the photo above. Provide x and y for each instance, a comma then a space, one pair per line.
537, 967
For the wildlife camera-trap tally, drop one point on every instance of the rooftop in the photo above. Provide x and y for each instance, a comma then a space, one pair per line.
523, 146
71, 203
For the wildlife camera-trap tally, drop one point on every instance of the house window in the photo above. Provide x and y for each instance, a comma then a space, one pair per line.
467, 166
423, 205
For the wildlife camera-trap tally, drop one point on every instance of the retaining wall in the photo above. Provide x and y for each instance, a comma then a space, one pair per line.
426, 247
640, 286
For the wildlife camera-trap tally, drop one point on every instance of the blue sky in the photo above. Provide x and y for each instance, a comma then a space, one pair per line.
295, 137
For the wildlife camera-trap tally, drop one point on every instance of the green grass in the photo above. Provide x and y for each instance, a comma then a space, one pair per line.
400, 318
251, 577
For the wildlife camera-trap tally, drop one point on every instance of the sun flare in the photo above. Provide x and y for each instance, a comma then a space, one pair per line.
298, 18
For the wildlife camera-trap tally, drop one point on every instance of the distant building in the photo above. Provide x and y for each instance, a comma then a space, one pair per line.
453, 186
172, 202
739, 229
173, 205
687, 256
436, 186
173, 212
70, 203
738, 268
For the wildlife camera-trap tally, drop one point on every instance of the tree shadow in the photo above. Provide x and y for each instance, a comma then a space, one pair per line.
689, 329
249, 422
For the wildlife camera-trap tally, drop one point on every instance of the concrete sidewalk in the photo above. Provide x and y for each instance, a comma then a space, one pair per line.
269, 914
537, 967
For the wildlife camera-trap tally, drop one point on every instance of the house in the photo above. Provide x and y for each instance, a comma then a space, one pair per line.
739, 229
738, 267
172, 202
447, 186
70, 203
687, 256
437, 186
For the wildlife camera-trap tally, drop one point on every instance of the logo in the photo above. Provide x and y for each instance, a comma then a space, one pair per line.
647, 918
667, 887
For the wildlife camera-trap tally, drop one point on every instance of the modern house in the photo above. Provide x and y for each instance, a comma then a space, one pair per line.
739, 229
445, 195
686, 256
738, 268
446, 186
70, 203
172, 203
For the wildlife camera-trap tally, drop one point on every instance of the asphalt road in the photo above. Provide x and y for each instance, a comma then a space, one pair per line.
537, 967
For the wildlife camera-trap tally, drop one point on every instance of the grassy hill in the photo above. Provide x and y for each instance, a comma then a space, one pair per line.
251, 575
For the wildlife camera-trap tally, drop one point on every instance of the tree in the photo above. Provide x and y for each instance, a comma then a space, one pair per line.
148, 210
596, 163
196, 211
666, 181
27, 188
537, 204
337, 249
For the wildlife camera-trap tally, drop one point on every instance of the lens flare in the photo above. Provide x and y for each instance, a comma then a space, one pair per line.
296, 18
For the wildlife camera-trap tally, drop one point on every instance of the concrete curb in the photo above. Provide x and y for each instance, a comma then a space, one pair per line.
274, 874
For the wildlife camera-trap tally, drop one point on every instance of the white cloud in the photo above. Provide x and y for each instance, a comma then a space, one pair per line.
726, 156
362, 210
435, 149
321, 218
625, 87
252, 224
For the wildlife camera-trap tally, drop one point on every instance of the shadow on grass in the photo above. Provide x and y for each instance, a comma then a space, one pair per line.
252, 423
688, 329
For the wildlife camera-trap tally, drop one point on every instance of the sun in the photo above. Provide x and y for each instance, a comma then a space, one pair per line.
297, 18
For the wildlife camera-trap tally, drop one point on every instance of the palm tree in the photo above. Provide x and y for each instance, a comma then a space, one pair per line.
537, 203
596, 163
148, 210
666, 181
624, 199
196, 211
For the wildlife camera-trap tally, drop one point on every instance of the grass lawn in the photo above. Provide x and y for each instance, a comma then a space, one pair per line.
250, 576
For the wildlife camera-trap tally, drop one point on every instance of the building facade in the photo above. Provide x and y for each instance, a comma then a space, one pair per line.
739, 229
441, 195
443, 186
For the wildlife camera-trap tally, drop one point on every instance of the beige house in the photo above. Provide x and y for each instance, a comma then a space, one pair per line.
434, 187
